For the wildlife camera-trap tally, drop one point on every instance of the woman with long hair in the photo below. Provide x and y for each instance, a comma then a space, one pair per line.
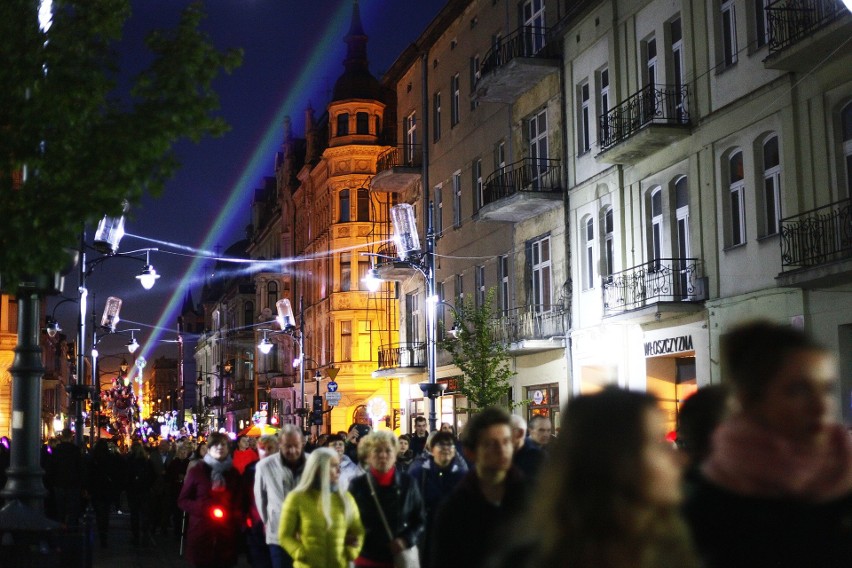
211, 497
320, 524
776, 488
611, 495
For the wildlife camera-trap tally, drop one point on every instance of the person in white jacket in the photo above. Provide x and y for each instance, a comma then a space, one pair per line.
348, 468
275, 477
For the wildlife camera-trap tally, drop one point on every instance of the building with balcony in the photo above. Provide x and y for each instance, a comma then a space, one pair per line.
480, 144
708, 158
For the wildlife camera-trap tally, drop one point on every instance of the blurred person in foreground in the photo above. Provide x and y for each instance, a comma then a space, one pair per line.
211, 498
255, 532
776, 488
610, 495
320, 524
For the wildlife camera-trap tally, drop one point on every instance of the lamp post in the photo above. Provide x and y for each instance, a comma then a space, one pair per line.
410, 254
287, 323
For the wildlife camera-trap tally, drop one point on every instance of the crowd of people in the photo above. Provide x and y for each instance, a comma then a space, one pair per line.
760, 475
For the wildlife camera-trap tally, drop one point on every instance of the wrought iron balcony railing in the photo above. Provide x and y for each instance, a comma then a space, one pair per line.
817, 236
532, 322
660, 280
530, 174
400, 355
526, 41
790, 21
654, 104
405, 155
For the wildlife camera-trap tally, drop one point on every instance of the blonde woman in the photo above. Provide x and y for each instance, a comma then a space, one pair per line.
320, 523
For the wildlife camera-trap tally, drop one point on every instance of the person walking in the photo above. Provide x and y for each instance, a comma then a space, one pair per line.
776, 488
320, 522
211, 498
255, 532
140, 479
388, 500
101, 482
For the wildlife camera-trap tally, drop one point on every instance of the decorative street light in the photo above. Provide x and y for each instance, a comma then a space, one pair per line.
287, 323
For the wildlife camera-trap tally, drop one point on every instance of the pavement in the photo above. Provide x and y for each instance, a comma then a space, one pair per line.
164, 552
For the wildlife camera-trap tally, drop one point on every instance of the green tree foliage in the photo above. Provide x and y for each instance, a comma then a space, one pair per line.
72, 149
480, 354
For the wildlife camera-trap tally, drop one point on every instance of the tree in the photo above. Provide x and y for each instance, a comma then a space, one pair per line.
480, 354
72, 147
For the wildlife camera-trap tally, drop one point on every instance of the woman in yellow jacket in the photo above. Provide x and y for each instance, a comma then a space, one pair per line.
320, 524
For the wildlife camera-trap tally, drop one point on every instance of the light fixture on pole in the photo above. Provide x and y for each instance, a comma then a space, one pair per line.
132, 345
287, 322
265, 346
148, 276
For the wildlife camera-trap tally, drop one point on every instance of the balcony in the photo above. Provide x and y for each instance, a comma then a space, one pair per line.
401, 359
653, 118
522, 190
398, 168
816, 247
654, 289
531, 329
515, 64
802, 32
390, 267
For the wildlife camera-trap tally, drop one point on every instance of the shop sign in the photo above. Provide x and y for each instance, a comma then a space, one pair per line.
670, 345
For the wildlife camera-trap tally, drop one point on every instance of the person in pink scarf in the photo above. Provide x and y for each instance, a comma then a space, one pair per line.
776, 488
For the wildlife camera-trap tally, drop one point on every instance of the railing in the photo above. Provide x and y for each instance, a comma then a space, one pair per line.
526, 41
792, 20
401, 355
661, 280
532, 322
386, 254
654, 104
405, 155
817, 236
530, 174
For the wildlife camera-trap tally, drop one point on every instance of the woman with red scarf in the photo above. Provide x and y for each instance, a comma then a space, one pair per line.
776, 489
211, 497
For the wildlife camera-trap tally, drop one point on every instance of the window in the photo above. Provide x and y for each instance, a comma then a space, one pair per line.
248, 314
846, 132
729, 33
344, 206
346, 340
589, 254
479, 277
436, 117
345, 271
736, 199
651, 62
455, 87
541, 274
656, 237
271, 295
474, 77
409, 125
771, 186
457, 202
438, 221
363, 204
585, 143
365, 343
363, 268
677, 69
533, 12
476, 169
503, 267
609, 243
537, 131
603, 101
362, 123
378, 126
761, 23
343, 124
459, 289
681, 190
412, 321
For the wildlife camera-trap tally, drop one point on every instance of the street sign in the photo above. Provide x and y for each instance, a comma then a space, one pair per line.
333, 398
332, 386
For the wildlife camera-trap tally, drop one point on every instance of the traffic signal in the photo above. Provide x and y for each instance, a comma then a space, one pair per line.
316, 413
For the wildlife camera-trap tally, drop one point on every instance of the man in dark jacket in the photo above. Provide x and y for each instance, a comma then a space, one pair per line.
474, 516
527, 456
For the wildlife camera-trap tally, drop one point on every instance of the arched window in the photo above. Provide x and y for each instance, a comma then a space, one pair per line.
344, 206
271, 295
846, 120
681, 191
655, 236
363, 204
589, 254
362, 123
771, 186
736, 199
248, 313
343, 124
608, 251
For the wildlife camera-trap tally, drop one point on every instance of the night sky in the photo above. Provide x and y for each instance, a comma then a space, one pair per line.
293, 54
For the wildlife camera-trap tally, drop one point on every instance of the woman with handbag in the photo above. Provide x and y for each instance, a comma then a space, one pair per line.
320, 524
390, 504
